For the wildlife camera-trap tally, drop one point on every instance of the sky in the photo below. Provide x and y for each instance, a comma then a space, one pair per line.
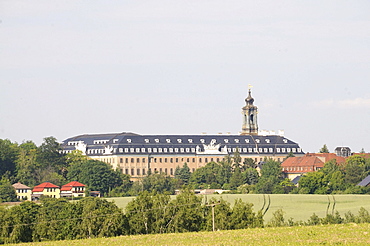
183, 67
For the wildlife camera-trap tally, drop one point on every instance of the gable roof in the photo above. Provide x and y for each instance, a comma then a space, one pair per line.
70, 185
312, 162
21, 186
365, 181
44, 185
325, 157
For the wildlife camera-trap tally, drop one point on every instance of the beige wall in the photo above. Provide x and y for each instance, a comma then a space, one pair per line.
50, 192
23, 194
137, 165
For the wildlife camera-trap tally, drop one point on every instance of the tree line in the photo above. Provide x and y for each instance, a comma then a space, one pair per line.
148, 213
32, 165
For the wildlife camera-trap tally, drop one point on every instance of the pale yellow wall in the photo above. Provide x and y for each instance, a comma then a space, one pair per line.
21, 193
50, 192
130, 164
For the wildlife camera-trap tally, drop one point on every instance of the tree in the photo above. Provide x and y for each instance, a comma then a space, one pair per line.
100, 218
251, 176
19, 222
26, 164
96, 175
271, 176
8, 156
158, 182
222, 213
324, 149
355, 169
242, 216
184, 214
236, 179
183, 174
140, 214
313, 183
249, 163
7, 191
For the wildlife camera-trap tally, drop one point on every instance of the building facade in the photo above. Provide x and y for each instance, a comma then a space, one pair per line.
23, 191
136, 154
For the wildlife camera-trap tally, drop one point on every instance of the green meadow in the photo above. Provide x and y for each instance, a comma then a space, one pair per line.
347, 234
296, 206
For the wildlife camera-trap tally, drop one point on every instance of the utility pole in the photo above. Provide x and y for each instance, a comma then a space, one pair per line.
213, 213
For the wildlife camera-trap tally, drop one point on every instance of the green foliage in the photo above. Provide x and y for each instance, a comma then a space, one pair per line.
222, 213
242, 216
236, 179
158, 182
8, 156
355, 169
183, 174
271, 176
277, 219
96, 175
185, 213
100, 218
18, 222
324, 149
251, 176
7, 191
217, 174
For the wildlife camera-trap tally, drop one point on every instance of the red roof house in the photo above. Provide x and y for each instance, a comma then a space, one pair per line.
296, 166
73, 189
45, 189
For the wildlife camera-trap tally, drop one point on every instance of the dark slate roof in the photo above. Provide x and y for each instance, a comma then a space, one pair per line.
131, 141
365, 181
296, 180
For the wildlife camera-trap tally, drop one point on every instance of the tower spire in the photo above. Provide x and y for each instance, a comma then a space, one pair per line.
249, 111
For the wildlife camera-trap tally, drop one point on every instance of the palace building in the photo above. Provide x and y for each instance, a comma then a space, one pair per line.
136, 154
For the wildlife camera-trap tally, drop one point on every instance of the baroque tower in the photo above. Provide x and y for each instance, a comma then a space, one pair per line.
250, 126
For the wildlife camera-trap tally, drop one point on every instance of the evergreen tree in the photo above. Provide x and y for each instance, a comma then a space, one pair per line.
236, 179
324, 149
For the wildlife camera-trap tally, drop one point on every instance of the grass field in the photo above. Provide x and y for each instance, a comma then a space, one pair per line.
299, 207
348, 234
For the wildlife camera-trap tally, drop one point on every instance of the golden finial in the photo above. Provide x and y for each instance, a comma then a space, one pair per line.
250, 86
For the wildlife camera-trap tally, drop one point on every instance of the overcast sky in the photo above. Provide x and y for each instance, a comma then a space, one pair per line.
183, 67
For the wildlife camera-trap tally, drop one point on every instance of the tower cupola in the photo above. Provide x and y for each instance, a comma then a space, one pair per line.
249, 112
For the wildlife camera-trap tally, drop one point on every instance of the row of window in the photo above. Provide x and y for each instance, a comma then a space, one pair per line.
22, 190
300, 169
50, 189
139, 171
203, 141
157, 140
174, 160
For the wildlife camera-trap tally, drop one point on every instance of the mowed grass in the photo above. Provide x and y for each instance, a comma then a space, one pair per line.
347, 234
299, 206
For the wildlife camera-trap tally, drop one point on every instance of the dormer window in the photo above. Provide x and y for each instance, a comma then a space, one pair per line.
267, 140
129, 140
257, 141
168, 140
202, 141
285, 141
179, 140
146, 140
226, 140
190, 140
156, 140
247, 140
236, 140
